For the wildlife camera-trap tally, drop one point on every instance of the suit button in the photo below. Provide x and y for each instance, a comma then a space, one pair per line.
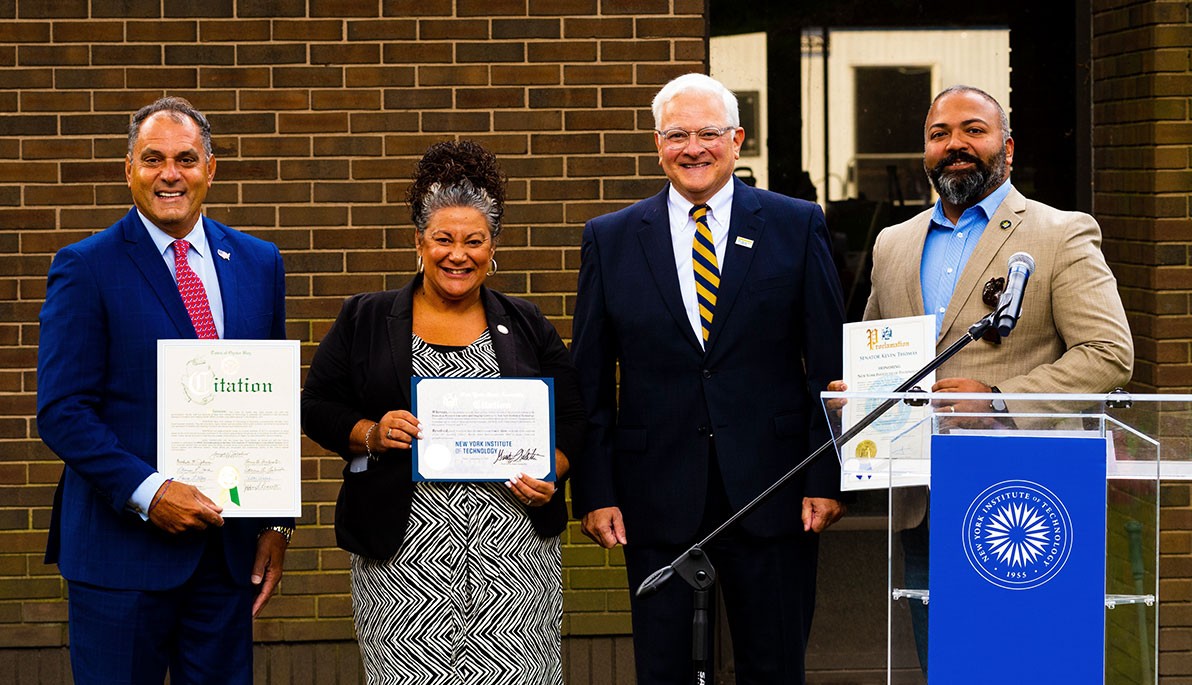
707, 373
703, 431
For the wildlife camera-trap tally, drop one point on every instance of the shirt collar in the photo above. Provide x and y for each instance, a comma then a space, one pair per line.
986, 206
196, 237
719, 205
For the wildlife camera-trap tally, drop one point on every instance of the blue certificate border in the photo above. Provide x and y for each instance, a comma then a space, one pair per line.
416, 476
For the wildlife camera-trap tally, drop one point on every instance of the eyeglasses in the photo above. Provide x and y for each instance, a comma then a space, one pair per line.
707, 136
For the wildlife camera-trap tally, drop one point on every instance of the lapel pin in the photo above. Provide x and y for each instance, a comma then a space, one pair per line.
1005, 223
224, 255
744, 242
502, 329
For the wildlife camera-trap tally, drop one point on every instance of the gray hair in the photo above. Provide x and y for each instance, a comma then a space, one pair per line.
696, 83
1003, 120
176, 108
460, 194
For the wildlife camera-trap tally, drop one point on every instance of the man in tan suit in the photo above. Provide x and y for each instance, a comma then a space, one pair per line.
1072, 336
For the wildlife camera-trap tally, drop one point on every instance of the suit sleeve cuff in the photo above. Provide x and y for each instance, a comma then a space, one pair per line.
142, 497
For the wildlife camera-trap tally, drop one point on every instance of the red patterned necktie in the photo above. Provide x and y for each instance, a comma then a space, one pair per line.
194, 295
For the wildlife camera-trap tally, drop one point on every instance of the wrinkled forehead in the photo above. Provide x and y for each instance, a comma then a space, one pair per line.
955, 109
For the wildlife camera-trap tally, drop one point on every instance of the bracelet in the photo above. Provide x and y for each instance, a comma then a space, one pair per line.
367, 448
286, 531
159, 495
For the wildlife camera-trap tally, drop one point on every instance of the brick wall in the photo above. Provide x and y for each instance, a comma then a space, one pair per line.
320, 110
1142, 137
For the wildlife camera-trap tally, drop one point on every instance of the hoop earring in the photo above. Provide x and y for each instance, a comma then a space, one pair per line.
418, 263
493, 269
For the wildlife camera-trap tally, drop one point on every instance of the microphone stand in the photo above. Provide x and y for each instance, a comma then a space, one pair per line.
693, 565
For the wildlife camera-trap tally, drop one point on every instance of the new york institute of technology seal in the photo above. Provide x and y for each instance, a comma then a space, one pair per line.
1017, 535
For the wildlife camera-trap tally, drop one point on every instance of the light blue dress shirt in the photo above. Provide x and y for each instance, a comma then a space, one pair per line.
947, 249
199, 258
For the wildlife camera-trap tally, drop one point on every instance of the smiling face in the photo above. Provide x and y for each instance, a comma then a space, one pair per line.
169, 173
697, 172
457, 251
963, 152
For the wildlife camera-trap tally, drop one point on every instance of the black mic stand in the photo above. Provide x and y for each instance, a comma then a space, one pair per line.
693, 565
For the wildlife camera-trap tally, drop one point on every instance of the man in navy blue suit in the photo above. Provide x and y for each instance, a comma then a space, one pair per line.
720, 305
158, 580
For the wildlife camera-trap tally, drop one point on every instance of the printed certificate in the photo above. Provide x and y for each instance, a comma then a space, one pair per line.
484, 429
228, 422
878, 357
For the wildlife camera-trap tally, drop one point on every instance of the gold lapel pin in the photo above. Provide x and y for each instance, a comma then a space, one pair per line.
1005, 223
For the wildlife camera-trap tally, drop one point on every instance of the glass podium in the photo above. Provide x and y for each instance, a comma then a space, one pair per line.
1023, 529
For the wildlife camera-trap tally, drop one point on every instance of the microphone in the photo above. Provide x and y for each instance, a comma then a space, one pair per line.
1009, 306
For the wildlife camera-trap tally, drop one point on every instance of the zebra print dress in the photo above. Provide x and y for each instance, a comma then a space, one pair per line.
474, 594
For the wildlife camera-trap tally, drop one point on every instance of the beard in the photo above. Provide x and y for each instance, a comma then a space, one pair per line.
965, 188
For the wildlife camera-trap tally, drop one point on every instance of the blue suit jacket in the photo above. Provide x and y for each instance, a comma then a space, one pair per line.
109, 299
775, 343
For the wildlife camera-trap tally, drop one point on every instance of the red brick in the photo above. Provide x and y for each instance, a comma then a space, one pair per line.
454, 76
472, 8
363, 77
309, 77
271, 54
352, 53
87, 32
563, 7
304, 30
452, 29
161, 31
25, 31
383, 29
530, 75
490, 52
342, 8
54, 101
490, 98
58, 55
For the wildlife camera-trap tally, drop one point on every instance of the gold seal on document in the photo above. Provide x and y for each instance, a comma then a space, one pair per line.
866, 449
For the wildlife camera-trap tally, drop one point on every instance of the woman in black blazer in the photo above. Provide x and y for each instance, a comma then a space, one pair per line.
451, 582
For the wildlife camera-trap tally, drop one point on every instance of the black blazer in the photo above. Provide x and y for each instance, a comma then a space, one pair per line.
362, 370
775, 343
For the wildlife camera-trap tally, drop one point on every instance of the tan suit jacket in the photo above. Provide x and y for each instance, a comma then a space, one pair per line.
1072, 336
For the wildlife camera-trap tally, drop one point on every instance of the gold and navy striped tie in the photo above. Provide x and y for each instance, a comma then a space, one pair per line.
707, 273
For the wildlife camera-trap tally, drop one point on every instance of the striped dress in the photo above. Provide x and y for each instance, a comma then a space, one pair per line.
474, 594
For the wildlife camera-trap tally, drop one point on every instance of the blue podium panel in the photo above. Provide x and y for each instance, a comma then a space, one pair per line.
1017, 559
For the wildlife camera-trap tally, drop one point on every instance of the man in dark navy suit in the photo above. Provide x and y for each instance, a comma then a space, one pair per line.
157, 579
720, 305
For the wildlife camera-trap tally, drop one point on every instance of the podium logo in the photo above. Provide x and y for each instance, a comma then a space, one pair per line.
1017, 535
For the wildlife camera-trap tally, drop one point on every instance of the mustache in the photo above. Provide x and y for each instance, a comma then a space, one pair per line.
957, 156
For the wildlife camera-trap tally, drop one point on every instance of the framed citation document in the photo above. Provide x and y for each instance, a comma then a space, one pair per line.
228, 422
878, 356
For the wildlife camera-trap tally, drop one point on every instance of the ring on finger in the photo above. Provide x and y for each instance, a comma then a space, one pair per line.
388, 433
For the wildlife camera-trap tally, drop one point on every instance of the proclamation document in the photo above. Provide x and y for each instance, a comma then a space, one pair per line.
228, 422
484, 429
878, 357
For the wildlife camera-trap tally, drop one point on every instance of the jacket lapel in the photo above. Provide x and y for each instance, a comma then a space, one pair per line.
500, 325
911, 252
1003, 223
226, 272
143, 253
659, 253
400, 326
746, 223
